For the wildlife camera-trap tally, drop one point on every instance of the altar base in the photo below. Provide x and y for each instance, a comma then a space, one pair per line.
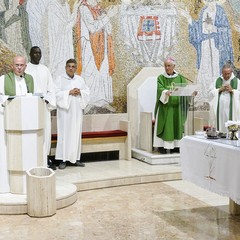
155, 158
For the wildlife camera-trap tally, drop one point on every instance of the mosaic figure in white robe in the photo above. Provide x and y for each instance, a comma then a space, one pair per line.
211, 36
235, 6
36, 10
60, 35
57, 43
96, 57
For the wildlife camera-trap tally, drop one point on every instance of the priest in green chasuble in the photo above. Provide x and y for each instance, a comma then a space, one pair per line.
17, 82
14, 83
224, 99
170, 111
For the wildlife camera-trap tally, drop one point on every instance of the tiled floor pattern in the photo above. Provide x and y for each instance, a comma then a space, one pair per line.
148, 211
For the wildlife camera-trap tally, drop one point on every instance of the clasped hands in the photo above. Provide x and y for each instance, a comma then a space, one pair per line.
226, 88
75, 92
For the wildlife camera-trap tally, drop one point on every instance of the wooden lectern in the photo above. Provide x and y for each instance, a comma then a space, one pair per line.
24, 126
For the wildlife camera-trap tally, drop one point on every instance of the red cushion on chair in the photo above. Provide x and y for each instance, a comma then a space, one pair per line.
99, 134
54, 137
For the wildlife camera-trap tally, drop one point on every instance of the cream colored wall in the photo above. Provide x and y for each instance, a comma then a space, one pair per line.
101, 122
132, 100
97, 122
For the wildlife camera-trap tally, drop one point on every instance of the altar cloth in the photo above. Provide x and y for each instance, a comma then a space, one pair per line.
213, 164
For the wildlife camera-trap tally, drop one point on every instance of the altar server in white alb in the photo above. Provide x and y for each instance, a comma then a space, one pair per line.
43, 85
225, 99
72, 95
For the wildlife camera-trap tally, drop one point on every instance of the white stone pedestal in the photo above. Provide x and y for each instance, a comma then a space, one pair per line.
41, 192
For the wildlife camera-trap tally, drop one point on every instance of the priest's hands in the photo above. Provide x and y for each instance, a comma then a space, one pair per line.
75, 92
226, 88
169, 93
195, 93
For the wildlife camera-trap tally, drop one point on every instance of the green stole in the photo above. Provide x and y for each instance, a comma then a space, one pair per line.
9, 83
234, 85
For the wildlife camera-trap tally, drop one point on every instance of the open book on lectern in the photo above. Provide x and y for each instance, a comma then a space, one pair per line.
182, 89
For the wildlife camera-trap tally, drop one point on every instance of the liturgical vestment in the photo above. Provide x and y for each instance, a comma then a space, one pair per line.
170, 112
70, 116
224, 106
17, 86
43, 84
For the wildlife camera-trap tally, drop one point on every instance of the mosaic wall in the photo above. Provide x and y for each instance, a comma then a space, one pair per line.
112, 40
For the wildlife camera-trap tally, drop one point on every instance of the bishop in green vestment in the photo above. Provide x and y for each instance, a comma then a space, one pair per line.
170, 111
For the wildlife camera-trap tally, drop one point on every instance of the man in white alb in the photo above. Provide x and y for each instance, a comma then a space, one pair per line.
43, 85
72, 96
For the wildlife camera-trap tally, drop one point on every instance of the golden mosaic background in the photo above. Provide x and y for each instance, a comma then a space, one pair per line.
127, 68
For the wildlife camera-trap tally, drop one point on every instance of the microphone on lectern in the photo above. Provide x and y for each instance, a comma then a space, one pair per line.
21, 76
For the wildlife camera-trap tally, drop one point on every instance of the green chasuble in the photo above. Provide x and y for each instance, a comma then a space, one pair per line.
234, 85
9, 84
172, 115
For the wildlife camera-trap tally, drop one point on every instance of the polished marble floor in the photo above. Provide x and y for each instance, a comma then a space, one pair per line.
148, 211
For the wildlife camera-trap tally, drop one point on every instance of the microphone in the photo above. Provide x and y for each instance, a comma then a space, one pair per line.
21, 76
189, 79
